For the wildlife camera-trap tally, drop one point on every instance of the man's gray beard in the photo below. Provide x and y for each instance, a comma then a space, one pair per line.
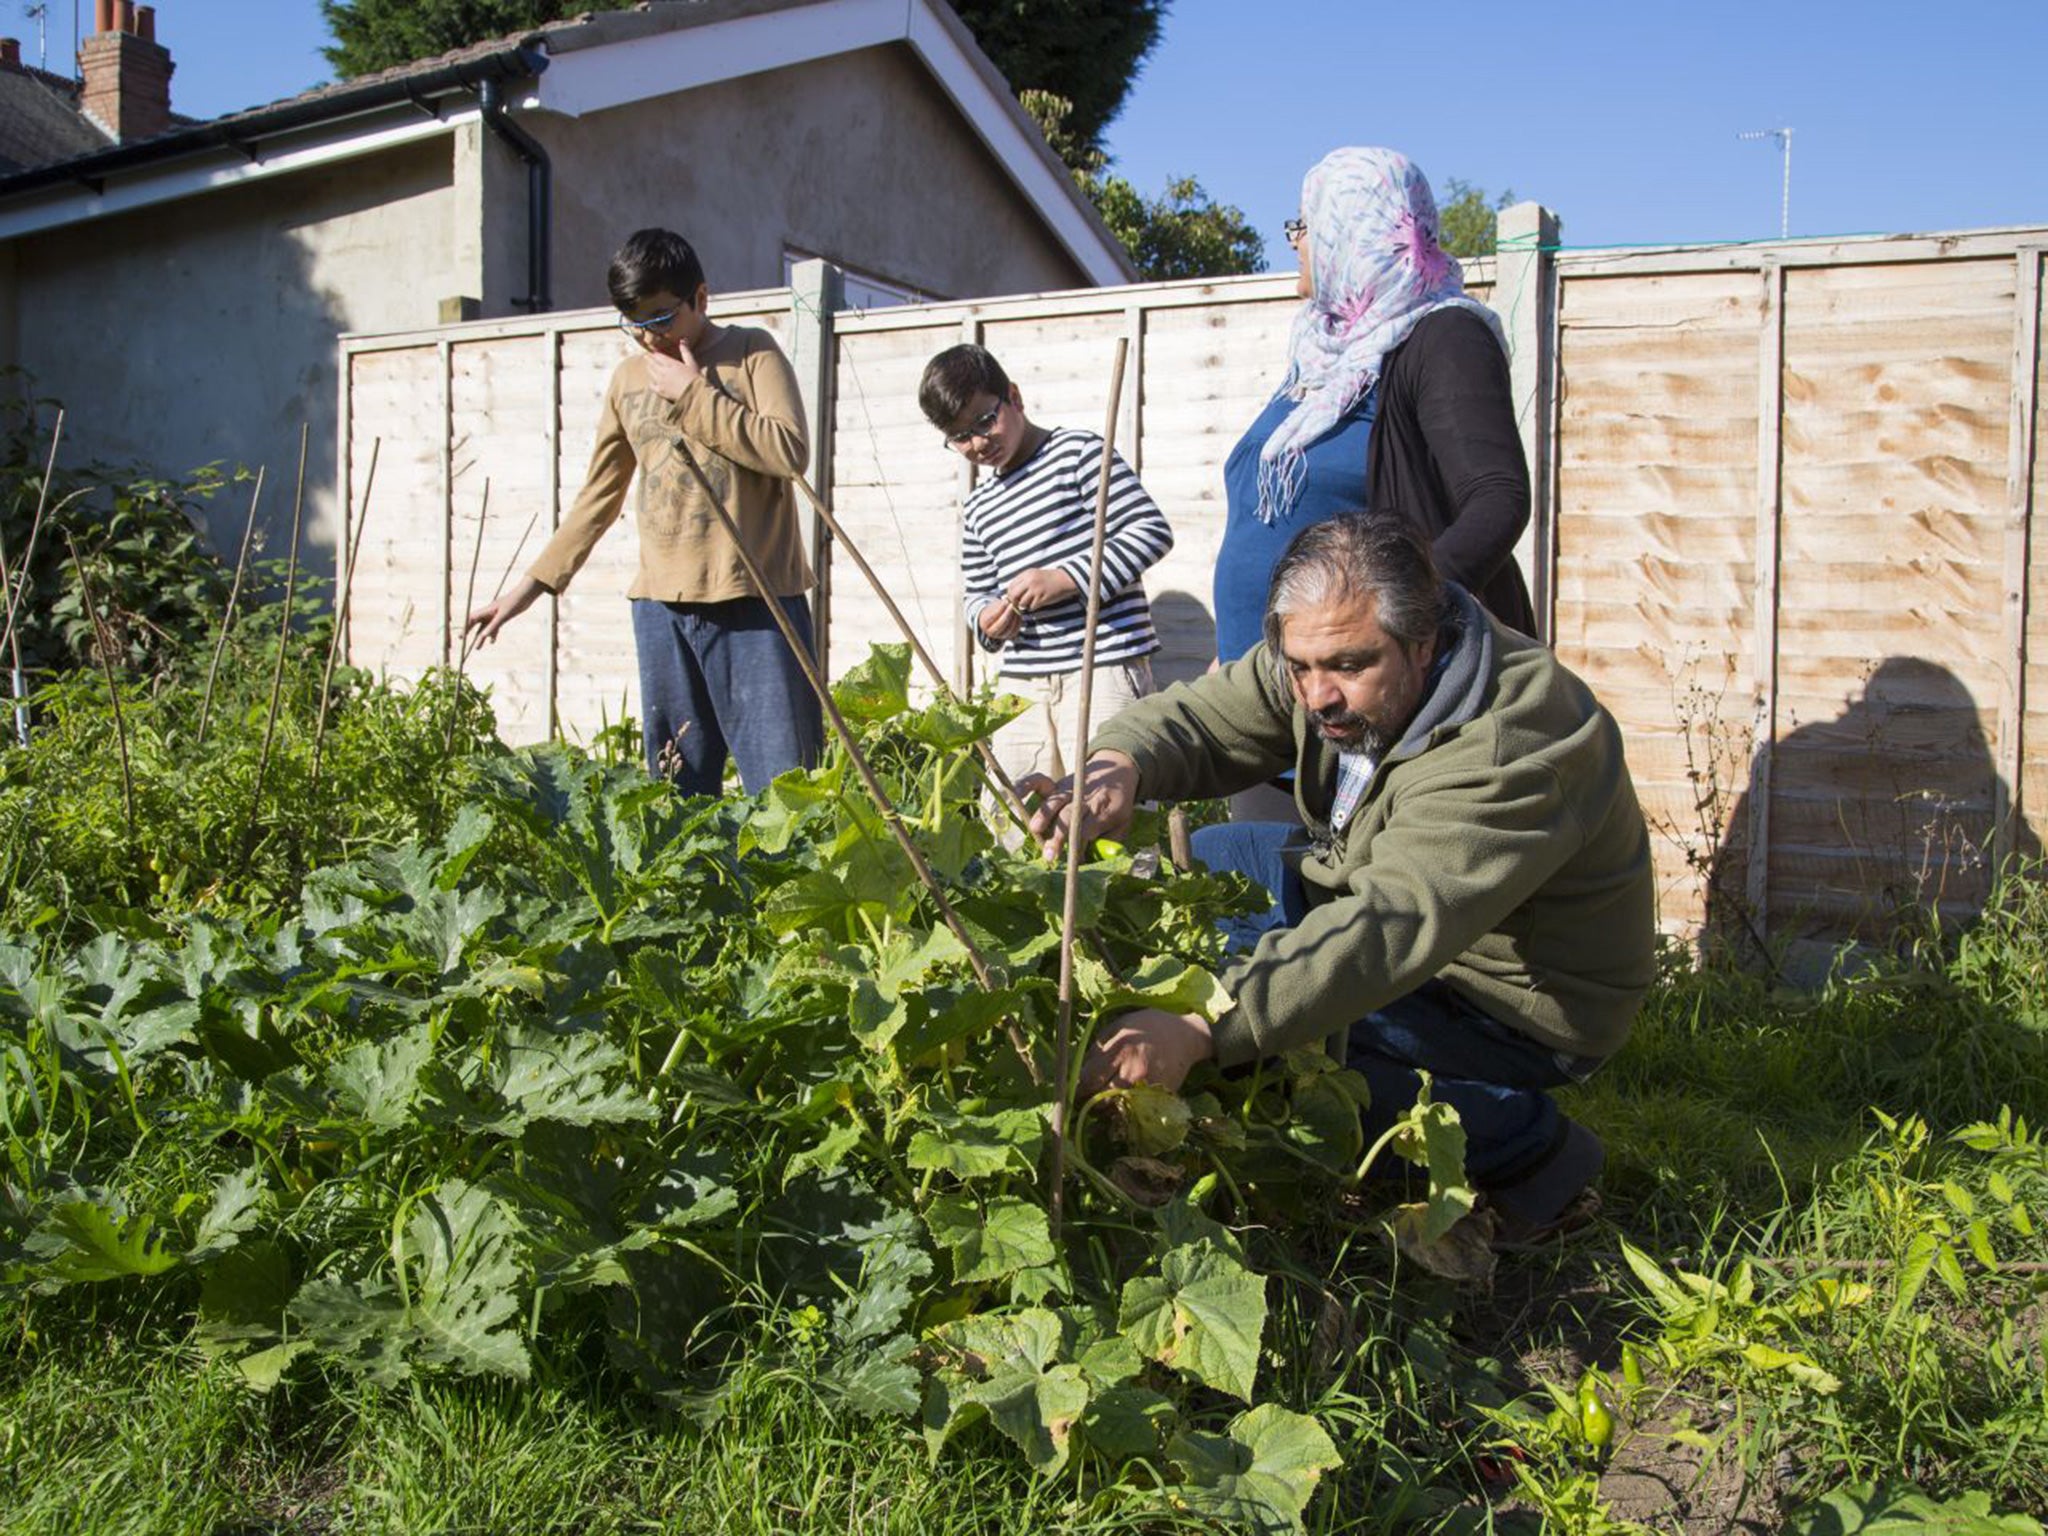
1370, 741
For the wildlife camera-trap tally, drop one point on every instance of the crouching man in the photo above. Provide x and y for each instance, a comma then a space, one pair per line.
1470, 891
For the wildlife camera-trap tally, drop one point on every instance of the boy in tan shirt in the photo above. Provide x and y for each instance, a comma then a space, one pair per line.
716, 676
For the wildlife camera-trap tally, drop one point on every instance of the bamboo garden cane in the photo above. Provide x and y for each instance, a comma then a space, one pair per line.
1070, 915
992, 770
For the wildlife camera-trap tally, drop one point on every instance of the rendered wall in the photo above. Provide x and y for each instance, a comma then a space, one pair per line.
205, 330
859, 159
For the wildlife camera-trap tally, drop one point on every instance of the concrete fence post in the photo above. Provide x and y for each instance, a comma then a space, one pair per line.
1524, 294
817, 291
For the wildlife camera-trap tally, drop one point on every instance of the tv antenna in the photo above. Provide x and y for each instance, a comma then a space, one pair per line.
1784, 138
40, 15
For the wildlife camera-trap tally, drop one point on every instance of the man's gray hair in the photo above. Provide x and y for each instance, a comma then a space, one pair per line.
1377, 555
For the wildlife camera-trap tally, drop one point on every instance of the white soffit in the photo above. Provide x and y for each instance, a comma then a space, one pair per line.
588, 80
126, 190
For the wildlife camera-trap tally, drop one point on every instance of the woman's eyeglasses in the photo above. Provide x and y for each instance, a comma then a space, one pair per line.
1294, 230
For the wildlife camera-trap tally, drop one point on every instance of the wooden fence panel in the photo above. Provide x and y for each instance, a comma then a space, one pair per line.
2030, 505
896, 490
1208, 372
501, 484
1790, 492
396, 625
1655, 539
1897, 384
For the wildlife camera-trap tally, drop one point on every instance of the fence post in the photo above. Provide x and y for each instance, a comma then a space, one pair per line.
1525, 262
817, 290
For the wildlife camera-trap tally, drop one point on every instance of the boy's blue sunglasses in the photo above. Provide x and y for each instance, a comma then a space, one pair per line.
645, 327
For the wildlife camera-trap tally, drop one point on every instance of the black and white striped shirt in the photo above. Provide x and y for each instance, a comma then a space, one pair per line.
1042, 513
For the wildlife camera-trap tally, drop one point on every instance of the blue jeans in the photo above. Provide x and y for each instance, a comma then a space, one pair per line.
1494, 1076
718, 678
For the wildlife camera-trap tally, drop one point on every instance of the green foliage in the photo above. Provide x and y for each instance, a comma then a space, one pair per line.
155, 585
394, 764
381, 34
1180, 234
1468, 218
1087, 51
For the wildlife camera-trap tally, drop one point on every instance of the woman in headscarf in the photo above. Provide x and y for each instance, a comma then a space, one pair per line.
1396, 397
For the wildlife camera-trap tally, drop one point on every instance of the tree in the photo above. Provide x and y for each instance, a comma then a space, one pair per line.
1086, 51
379, 34
1468, 224
1182, 233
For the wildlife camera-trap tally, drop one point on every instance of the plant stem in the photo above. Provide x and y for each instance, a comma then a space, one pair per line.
20, 704
36, 527
348, 585
1063, 1032
859, 760
103, 643
227, 617
284, 636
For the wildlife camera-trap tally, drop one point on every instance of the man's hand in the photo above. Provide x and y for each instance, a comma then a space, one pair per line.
1040, 587
491, 618
1146, 1046
1109, 796
1000, 620
669, 374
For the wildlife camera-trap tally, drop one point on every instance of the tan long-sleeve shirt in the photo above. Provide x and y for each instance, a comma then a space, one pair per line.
744, 422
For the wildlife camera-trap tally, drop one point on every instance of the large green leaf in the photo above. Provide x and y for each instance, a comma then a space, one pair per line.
460, 1262
1168, 984
238, 1204
378, 1080
90, 1235
1013, 1368
877, 689
992, 1240
1892, 1508
1203, 1314
979, 1145
1259, 1474
565, 1078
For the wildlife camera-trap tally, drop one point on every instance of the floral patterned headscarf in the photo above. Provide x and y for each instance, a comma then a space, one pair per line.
1377, 268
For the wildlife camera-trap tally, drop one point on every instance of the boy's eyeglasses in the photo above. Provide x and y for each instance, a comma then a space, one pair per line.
647, 327
1294, 230
981, 426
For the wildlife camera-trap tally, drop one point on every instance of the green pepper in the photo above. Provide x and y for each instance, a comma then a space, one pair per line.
1596, 1419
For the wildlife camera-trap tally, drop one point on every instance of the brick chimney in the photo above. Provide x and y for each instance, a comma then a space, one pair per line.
10, 53
127, 72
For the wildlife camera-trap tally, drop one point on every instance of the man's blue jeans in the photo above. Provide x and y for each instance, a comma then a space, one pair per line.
718, 678
1494, 1076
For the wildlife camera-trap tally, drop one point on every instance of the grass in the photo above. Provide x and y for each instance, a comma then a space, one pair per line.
1743, 1132
1795, 1152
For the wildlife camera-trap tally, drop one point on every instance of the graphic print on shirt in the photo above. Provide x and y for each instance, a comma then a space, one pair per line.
671, 501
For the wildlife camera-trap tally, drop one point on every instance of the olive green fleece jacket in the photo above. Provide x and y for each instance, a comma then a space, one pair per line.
1498, 846
744, 421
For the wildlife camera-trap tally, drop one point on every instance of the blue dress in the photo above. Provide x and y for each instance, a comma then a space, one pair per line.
1333, 481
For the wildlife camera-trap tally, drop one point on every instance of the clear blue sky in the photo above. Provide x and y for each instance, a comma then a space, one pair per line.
1621, 116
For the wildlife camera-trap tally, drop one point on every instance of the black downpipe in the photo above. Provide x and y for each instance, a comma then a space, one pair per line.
539, 182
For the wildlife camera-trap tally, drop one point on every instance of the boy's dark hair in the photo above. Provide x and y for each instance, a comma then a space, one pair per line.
954, 378
652, 260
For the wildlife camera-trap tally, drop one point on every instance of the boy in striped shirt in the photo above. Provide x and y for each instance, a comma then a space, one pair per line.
1026, 539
